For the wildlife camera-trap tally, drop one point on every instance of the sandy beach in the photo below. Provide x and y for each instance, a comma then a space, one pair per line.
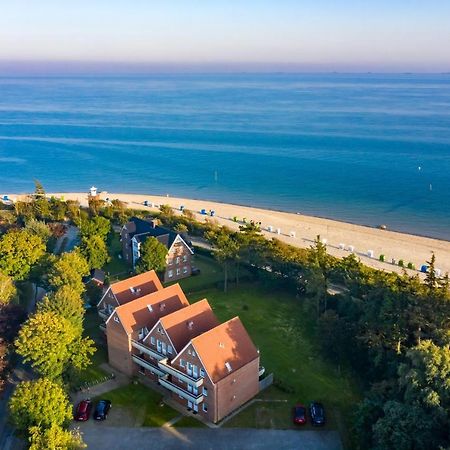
300, 230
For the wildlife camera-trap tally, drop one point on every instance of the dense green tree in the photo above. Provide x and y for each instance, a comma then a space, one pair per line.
8, 289
40, 403
94, 249
19, 251
66, 303
54, 438
53, 345
97, 226
181, 228
68, 270
58, 209
153, 256
39, 228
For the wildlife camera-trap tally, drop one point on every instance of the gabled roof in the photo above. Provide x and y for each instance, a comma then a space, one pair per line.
135, 287
137, 314
225, 349
187, 323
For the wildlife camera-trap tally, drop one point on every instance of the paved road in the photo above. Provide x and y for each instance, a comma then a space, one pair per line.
98, 437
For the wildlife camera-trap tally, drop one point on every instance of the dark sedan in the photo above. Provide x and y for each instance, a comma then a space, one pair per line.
102, 410
317, 413
83, 410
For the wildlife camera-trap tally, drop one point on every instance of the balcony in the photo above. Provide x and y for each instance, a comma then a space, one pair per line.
147, 365
147, 350
164, 365
196, 399
104, 314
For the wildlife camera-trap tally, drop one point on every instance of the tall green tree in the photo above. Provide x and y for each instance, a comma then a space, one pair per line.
41, 403
68, 270
8, 289
66, 303
19, 251
39, 228
153, 256
55, 438
52, 345
97, 226
94, 249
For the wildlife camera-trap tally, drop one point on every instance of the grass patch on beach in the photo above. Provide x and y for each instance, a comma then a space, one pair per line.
279, 326
142, 404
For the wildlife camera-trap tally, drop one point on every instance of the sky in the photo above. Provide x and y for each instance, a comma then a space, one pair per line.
363, 35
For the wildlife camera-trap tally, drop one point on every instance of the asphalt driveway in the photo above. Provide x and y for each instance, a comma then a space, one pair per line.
101, 437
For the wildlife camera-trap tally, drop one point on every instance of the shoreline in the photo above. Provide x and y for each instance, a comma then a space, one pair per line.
393, 244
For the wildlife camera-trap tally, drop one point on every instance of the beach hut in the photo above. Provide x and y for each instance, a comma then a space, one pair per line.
292, 234
5, 198
93, 191
342, 246
212, 213
424, 268
278, 230
437, 272
324, 241
145, 202
181, 207
350, 248
370, 253
203, 212
270, 228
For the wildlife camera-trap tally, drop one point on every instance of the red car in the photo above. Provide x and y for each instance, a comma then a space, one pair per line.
299, 414
83, 410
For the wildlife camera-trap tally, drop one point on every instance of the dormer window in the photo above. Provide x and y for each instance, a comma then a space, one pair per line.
190, 324
116, 319
150, 308
228, 366
162, 307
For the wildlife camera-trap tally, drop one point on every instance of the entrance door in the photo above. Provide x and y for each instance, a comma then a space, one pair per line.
190, 405
195, 408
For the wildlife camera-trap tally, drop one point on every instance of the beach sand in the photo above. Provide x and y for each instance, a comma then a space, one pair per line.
409, 248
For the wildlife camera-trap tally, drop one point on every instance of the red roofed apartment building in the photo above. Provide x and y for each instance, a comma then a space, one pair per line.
208, 367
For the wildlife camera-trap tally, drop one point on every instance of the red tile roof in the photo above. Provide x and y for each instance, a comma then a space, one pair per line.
225, 349
136, 314
135, 287
187, 323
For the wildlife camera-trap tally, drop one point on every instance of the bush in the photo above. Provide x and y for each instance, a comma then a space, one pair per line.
411, 266
401, 263
382, 258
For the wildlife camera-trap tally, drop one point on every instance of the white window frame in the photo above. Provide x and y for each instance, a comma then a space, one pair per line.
152, 340
205, 407
170, 273
205, 391
182, 362
202, 373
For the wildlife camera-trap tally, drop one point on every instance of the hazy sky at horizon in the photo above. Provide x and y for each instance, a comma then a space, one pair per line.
384, 34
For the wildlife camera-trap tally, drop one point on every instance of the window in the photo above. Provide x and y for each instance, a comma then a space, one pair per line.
181, 362
194, 354
152, 340
169, 349
189, 352
150, 308
185, 269
170, 273
205, 391
184, 258
178, 271
202, 373
205, 407
177, 260
170, 262
116, 319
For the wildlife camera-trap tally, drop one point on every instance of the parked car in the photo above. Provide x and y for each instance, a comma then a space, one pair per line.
299, 414
83, 410
317, 412
102, 410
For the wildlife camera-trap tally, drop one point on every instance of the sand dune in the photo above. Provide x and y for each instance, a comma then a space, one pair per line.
409, 248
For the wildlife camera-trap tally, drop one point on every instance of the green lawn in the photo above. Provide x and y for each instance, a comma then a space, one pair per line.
141, 403
280, 328
116, 268
189, 422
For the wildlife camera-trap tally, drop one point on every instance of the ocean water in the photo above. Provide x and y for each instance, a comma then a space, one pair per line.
368, 149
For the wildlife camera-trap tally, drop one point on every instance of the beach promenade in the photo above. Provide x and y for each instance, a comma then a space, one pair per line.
300, 230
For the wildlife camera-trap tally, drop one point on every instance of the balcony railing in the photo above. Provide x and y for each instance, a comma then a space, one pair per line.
194, 398
147, 365
104, 314
144, 349
164, 365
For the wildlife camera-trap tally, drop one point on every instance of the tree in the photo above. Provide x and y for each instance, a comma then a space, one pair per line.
54, 438
94, 249
66, 303
40, 403
8, 290
68, 270
97, 226
52, 345
19, 251
39, 228
153, 256
431, 278
181, 228
225, 249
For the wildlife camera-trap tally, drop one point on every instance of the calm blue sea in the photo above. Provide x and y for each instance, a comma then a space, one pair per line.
367, 149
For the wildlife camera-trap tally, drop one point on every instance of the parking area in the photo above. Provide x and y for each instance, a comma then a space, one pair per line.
102, 436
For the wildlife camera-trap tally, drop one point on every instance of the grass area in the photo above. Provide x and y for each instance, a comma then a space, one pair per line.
280, 328
189, 422
116, 268
141, 403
